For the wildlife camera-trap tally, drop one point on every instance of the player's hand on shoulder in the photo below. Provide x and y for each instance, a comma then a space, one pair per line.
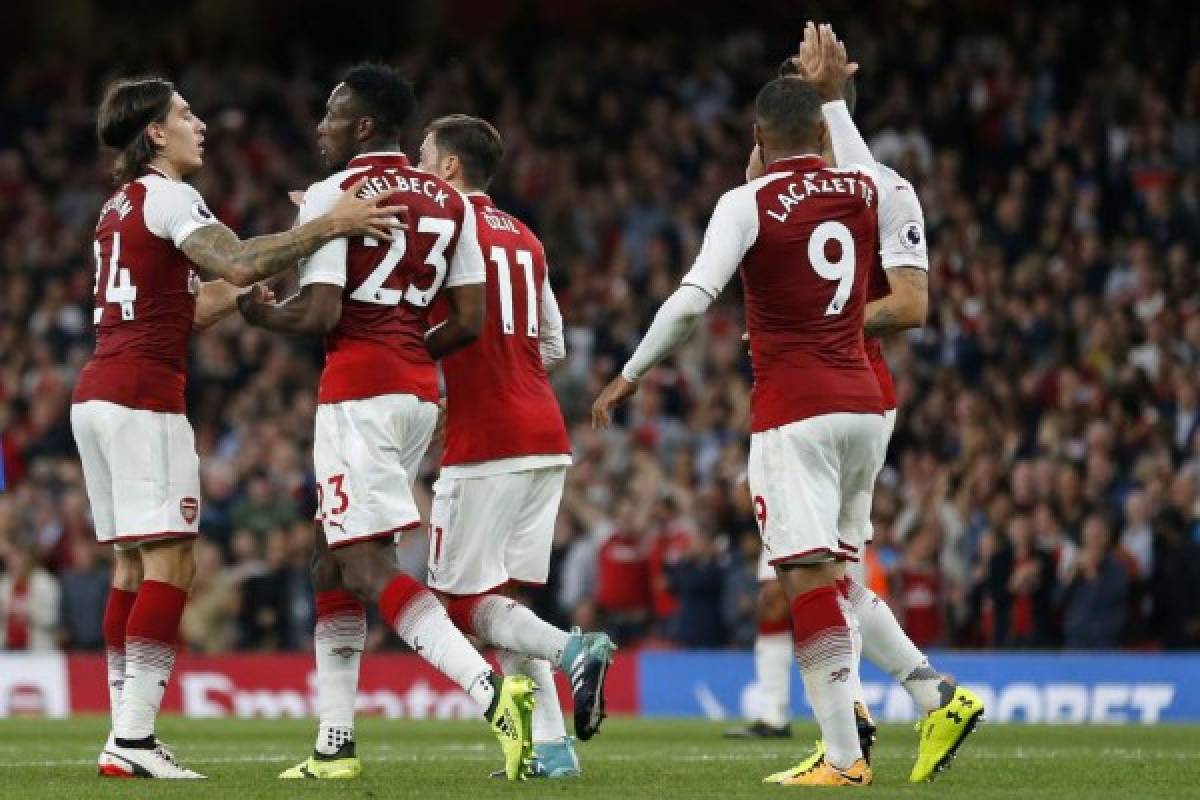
619, 390
370, 215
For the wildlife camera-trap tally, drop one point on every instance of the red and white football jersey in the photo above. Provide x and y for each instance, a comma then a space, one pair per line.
378, 345
805, 237
145, 295
901, 244
499, 402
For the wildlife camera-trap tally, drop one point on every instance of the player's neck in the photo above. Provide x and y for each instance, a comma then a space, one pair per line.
167, 169
378, 146
803, 152
465, 187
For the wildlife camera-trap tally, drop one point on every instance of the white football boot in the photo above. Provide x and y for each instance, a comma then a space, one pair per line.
137, 762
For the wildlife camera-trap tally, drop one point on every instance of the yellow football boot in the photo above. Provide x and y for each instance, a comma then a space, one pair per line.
866, 738
511, 718
807, 765
341, 766
825, 774
943, 731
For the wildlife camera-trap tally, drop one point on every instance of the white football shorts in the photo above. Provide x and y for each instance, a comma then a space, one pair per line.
141, 472
808, 480
486, 531
367, 454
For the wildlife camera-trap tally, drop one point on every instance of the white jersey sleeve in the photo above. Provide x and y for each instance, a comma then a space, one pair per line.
901, 223
174, 210
551, 342
328, 264
731, 231
849, 147
466, 265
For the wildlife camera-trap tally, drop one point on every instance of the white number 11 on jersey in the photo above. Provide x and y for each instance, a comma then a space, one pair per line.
504, 280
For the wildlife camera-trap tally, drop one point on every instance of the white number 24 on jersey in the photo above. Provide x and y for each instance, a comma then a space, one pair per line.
119, 288
841, 270
372, 290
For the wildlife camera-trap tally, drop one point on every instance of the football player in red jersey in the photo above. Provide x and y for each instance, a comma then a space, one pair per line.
135, 444
506, 458
804, 236
377, 408
897, 295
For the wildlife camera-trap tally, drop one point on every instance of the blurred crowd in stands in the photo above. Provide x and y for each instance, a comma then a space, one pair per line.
1043, 484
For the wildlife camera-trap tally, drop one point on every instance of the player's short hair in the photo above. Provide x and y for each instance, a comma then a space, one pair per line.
475, 141
788, 109
128, 107
788, 69
385, 95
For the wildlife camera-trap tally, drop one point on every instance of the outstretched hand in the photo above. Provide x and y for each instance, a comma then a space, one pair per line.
618, 391
823, 61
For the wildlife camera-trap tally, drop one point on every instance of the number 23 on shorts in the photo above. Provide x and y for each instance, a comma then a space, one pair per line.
335, 486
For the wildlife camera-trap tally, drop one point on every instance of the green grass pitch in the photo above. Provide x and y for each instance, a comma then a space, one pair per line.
628, 759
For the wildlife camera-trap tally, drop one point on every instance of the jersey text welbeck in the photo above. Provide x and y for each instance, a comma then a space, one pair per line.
392, 181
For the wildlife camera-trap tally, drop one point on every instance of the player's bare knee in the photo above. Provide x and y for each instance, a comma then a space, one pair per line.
362, 572
127, 570
172, 562
796, 579
325, 573
772, 602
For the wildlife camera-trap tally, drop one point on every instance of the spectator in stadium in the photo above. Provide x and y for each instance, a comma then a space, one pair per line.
1095, 594
739, 595
208, 620
919, 594
263, 617
623, 575
697, 580
29, 601
84, 591
1063, 234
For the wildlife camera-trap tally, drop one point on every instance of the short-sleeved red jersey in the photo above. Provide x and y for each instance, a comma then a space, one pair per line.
499, 402
145, 295
378, 344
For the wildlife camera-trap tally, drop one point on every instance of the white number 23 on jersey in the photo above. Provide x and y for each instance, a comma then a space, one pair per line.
372, 289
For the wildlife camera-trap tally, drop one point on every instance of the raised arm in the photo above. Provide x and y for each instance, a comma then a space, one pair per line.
218, 249
822, 60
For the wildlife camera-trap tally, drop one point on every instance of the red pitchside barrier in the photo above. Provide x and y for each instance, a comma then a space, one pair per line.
282, 685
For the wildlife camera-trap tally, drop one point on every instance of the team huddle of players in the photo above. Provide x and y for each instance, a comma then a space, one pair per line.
404, 269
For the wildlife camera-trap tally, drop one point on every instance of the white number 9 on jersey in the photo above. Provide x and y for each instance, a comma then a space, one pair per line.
372, 290
841, 270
